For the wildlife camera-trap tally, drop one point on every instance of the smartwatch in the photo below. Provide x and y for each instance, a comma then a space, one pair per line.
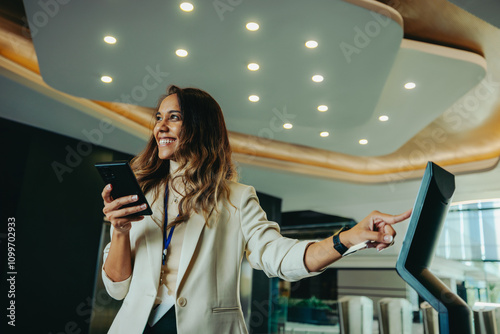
340, 247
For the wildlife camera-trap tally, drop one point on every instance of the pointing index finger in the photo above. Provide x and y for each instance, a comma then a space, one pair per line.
399, 218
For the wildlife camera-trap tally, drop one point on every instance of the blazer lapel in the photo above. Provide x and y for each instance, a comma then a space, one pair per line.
154, 237
194, 227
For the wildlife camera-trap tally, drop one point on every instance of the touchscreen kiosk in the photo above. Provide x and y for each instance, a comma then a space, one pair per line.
415, 257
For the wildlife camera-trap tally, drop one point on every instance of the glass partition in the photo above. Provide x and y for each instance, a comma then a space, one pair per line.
471, 232
469, 250
471, 237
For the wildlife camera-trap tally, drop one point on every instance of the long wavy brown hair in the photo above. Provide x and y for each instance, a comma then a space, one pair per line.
203, 152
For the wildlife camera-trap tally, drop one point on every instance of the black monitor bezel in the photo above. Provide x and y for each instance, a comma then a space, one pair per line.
416, 254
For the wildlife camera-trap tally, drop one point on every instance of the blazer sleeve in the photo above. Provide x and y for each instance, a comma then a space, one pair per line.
266, 248
117, 290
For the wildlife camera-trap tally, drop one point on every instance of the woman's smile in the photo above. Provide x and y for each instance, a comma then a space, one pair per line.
168, 127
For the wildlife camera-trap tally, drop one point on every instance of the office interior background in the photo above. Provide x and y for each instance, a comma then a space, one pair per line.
333, 107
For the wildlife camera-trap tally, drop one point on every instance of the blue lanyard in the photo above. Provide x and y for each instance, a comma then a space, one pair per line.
166, 241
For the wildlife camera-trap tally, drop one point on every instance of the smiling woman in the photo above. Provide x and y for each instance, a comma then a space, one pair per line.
168, 127
167, 278
189, 130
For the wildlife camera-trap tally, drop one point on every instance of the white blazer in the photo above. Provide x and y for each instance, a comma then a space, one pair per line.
207, 294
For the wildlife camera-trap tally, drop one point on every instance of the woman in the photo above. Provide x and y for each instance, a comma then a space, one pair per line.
211, 221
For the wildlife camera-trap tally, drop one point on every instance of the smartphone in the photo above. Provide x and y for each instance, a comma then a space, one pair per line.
123, 183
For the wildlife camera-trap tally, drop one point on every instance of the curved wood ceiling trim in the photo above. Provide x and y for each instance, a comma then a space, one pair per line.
334, 174
22, 75
440, 22
444, 51
16, 47
475, 150
379, 8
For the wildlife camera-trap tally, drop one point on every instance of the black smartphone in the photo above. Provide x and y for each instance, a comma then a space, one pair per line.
123, 183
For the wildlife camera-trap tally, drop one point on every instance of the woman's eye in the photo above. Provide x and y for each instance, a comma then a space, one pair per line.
171, 117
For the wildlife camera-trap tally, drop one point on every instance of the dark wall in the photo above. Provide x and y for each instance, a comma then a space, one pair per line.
51, 189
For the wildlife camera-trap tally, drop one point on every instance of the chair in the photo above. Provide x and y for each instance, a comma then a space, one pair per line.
355, 315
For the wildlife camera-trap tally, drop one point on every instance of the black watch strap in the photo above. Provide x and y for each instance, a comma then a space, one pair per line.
340, 247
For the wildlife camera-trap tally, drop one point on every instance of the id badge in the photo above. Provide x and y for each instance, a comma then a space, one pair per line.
159, 311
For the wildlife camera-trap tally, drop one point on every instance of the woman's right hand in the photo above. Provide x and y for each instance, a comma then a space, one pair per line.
116, 214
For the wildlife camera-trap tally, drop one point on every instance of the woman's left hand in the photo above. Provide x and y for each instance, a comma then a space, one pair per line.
376, 228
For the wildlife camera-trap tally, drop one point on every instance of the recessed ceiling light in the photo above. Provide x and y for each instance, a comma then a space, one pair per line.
181, 53
324, 134
317, 78
363, 141
252, 26
383, 118
410, 85
253, 66
106, 79
311, 44
322, 108
288, 126
254, 98
186, 6
110, 39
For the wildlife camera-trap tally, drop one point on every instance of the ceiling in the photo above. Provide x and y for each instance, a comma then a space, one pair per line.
357, 42
451, 117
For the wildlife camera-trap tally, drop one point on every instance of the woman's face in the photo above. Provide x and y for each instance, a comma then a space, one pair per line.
168, 127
